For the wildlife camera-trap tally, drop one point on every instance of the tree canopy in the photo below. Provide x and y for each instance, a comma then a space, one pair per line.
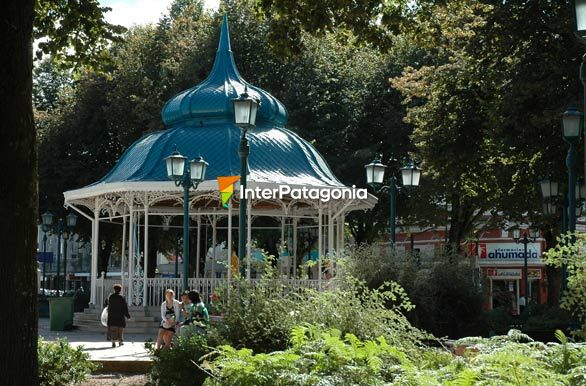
453, 84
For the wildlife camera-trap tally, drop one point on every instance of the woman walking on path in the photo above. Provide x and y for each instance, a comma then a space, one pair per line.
117, 314
170, 312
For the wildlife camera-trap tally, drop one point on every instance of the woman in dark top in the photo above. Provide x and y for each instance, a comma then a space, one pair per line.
117, 314
199, 312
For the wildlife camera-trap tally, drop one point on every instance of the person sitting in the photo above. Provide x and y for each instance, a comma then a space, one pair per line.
186, 309
170, 311
199, 313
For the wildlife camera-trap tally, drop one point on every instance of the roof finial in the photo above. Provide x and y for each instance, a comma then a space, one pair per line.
224, 36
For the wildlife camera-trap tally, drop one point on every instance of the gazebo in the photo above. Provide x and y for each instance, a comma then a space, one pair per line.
138, 195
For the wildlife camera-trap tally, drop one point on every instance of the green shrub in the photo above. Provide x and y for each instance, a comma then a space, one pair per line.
447, 301
256, 316
62, 365
316, 357
496, 321
572, 255
260, 316
327, 357
516, 359
353, 308
181, 364
541, 320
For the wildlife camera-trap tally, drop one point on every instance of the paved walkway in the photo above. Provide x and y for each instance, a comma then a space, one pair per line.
96, 344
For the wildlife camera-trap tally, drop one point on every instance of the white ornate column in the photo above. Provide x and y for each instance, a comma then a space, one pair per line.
130, 252
294, 250
95, 244
331, 251
330, 232
198, 247
138, 273
283, 260
248, 237
214, 242
123, 249
320, 242
341, 223
145, 286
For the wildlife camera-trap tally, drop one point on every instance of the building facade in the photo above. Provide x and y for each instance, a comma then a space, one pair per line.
496, 263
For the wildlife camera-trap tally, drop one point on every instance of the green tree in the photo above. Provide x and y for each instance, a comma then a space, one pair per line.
569, 252
337, 95
18, 195
154, 63
336, 92
74, 33
99, 116
486, 95
484, 131
48, 83
374, 21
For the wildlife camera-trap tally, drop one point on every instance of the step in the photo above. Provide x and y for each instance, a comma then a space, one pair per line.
150, 321
95, 311
150, 326
129, 322
129, 330
96, 317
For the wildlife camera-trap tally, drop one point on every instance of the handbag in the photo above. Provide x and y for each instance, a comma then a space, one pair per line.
169, 323
104, 318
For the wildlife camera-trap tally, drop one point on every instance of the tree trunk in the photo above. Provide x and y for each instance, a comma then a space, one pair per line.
462, 218
18, 197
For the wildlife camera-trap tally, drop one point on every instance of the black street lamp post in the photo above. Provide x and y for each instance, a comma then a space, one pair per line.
187, 176
71, 220
572, 133
61, 230
525, 240
46, 219
375, 173
550, 192
245, 109
65, 237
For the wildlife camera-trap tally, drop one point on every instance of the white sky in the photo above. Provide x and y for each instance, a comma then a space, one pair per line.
132, 12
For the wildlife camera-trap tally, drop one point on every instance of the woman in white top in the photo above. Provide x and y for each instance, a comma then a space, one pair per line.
170, 312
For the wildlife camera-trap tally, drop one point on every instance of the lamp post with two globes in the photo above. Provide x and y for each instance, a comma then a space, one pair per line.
526, 239
62, 231
187, 175
375, 173
245, 109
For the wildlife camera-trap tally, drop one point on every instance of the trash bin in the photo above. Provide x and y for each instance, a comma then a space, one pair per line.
61, 313
43, 307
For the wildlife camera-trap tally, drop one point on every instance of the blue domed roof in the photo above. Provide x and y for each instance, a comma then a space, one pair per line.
200, 123
277, 155
212, 99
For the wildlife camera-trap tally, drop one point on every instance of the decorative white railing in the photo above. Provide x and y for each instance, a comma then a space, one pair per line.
207, 286
156, 287
104, 287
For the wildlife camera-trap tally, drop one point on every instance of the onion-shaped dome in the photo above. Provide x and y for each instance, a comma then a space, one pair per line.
212, 99
200, 122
